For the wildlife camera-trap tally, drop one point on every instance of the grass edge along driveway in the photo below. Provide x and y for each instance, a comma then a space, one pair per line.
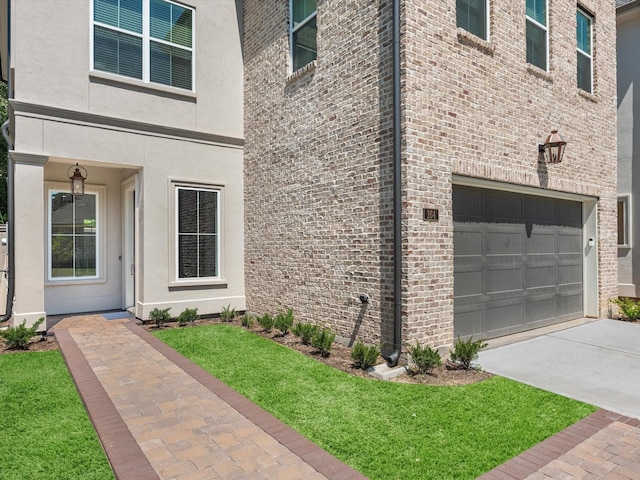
45, 432
385, 430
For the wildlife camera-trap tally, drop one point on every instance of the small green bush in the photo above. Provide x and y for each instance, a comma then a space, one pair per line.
306, 332
629, 308
18, 337
466, 351
424, 358
160, 316
247, 321
266, 321
189, 315
284, 321
227, 314
363, 356
323, 340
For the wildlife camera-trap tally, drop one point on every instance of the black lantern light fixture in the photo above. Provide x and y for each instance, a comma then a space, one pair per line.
553, 147
77, 179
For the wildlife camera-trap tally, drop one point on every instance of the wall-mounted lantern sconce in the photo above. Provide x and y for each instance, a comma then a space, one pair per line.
77, 179
553, 147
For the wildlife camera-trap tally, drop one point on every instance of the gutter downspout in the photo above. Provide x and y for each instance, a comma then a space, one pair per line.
11, 276
392, 360
11, 270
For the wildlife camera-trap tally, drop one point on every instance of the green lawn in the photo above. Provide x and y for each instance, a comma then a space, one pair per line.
44, 430
385, 430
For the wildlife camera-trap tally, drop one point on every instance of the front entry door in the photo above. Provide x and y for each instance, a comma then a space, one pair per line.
128, 241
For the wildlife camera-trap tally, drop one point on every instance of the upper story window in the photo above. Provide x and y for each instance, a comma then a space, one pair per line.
537, 33
151, 40
585, 60
303, 33
472, 15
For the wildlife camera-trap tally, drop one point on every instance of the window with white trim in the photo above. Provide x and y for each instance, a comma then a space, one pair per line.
472, 15
537, 33
197, 232
623, 222
584, 24
150, 40
302, 33
73, 235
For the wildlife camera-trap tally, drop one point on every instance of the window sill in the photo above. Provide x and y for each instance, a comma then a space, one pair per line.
539, 72
624, 247
120, 81
197, 284
469, 38
74, 281
587, 95
301, 72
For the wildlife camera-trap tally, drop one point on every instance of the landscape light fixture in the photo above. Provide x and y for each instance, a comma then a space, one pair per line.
553, 147
77, 179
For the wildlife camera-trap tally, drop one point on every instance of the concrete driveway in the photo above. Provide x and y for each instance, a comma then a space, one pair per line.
597, 363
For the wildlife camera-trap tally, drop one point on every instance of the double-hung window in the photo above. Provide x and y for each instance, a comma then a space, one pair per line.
150, 40
472, 15
198, 233
585, 60
537, 33
303, 33
73, 235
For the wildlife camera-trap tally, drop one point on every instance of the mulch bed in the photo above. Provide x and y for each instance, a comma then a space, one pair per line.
36, 344
340, 357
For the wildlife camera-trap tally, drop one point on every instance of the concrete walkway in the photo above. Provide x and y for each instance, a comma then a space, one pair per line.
597, 363
159, 416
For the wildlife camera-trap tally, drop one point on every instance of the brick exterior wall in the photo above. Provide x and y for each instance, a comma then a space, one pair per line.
318, 155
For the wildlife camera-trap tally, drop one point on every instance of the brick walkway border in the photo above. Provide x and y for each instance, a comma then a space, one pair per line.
123, 452
531, 461
125, 455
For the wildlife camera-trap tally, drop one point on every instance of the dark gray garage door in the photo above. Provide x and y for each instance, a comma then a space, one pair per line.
517, 261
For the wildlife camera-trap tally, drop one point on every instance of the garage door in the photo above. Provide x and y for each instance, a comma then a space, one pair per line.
517, 261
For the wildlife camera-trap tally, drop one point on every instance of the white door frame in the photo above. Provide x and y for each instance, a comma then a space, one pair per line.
129, 209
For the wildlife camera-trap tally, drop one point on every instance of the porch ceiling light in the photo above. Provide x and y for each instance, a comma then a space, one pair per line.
553, 147
77, 179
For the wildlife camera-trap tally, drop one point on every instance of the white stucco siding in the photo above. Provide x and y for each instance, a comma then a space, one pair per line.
628, 134
122, 129
52, 60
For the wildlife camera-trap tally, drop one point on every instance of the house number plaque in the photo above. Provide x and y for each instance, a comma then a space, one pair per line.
430, 214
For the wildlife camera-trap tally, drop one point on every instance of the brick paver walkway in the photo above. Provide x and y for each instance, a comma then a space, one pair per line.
159, 416
603, 445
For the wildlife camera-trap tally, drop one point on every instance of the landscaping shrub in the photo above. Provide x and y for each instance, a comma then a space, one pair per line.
284, 321
424, 358
247, 321
629, 308
189, 315
228, 314
266, 321
160, 316
466, 351
18, 337
363, 356
323, 340
306, 332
